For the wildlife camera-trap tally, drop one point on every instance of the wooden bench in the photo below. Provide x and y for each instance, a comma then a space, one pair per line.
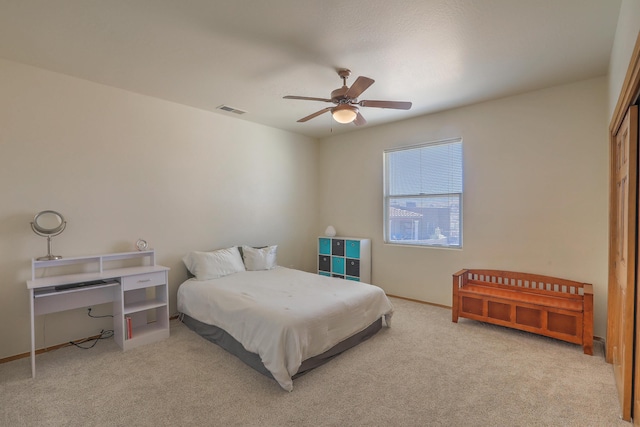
556, 308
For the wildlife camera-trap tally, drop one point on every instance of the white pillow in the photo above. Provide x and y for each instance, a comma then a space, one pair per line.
211, 265
259, 259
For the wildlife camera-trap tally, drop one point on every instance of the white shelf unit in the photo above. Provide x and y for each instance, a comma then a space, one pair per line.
345, 257
137, 287
144, 299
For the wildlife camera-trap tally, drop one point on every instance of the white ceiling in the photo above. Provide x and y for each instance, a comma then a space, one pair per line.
248, 54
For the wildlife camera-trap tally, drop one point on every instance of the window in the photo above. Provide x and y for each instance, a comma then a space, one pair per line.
423, 195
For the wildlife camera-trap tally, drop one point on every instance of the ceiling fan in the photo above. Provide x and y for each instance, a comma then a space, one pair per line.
346, 100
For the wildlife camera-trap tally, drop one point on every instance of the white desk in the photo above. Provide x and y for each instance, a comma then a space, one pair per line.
138, 292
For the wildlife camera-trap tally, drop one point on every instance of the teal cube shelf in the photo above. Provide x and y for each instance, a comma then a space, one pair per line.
345, 258
324, 246
353, 249
337, 265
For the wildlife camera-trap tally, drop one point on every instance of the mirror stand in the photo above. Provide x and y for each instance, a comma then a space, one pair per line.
49, 256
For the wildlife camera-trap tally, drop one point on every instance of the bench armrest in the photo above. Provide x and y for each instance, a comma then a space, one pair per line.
459, 280
460, 273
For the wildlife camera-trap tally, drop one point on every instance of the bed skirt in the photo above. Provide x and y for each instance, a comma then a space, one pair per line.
223, 339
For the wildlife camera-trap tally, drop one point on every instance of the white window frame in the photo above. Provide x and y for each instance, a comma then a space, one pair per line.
414, 231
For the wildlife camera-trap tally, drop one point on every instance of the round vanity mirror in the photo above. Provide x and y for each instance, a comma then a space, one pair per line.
48, 224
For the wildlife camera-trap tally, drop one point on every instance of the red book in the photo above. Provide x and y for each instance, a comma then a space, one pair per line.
128, 327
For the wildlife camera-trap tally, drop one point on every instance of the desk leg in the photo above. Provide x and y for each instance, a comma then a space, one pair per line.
33, 336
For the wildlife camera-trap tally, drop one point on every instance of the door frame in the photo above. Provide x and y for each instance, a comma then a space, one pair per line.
628, 92
628, 96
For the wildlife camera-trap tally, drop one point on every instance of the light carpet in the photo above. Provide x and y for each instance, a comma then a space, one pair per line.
423, 371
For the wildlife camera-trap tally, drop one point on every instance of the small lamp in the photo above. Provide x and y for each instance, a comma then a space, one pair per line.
48, 224
344, 113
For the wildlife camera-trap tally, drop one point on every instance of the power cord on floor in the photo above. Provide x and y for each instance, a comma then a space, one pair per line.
104, 334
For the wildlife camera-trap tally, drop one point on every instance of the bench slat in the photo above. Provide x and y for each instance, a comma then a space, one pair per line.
539, 278
563, 294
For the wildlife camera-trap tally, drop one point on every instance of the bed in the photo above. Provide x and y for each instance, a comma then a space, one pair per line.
280, 321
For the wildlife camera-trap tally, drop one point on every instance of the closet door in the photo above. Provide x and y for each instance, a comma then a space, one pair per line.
622, 258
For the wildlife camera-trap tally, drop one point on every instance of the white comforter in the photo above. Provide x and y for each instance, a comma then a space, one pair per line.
286, 316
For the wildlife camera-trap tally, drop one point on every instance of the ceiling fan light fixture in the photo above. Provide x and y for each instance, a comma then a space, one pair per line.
344, 113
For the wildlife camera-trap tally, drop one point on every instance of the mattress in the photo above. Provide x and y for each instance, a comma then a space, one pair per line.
284, 316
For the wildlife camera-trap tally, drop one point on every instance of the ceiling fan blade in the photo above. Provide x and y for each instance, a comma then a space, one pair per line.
307, 98
398, 105
317, 113
360, 85
359, 120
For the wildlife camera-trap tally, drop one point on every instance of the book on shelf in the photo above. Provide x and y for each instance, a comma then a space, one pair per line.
129, 327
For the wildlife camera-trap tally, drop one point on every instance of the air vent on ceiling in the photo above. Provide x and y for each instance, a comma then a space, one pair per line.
230, 109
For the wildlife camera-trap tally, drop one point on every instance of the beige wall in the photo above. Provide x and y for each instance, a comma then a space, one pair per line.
535, 200
121, 166
625, 40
